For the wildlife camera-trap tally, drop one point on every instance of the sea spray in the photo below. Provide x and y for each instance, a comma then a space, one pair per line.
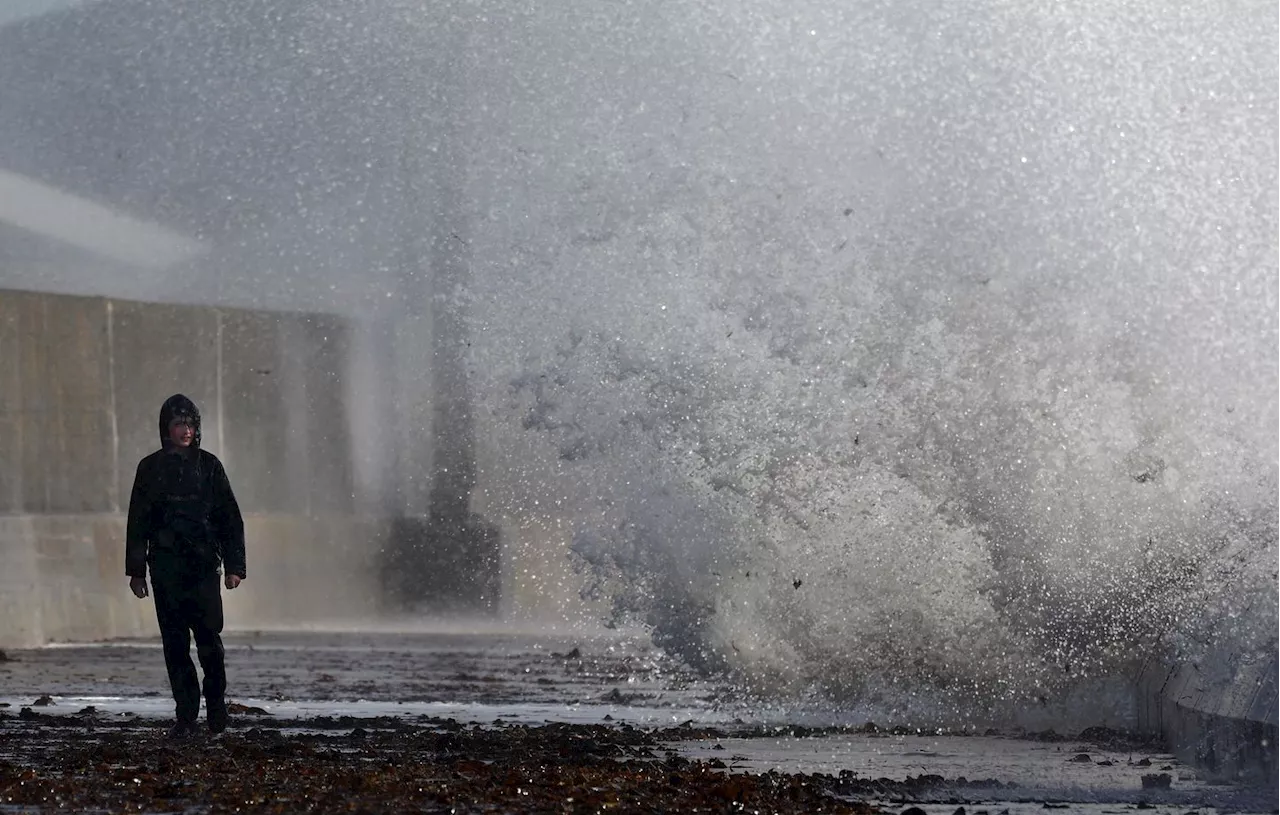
911, 403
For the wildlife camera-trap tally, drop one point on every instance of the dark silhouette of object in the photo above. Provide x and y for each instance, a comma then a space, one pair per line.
449, 560
443, 565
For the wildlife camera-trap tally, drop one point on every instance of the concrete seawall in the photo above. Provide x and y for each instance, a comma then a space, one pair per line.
64, 577
81, 383
1219, 713
82, 380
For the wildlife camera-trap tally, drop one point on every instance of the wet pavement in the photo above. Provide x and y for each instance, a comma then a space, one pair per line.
530, 676
499, 720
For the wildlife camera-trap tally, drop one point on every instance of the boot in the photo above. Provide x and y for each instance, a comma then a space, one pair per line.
182, 731
218, 718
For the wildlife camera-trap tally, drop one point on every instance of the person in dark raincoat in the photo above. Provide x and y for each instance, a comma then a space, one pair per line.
184, 524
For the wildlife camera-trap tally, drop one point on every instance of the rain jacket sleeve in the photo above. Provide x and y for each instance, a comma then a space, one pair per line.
138, 532
228, 525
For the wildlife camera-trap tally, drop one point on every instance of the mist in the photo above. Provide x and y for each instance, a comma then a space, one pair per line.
894, 352
879, 351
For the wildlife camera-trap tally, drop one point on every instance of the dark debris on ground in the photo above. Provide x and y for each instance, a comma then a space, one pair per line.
86, 761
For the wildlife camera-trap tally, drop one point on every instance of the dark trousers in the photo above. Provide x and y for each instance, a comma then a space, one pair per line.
188, 604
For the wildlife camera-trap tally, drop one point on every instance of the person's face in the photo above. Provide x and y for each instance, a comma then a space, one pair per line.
182, 431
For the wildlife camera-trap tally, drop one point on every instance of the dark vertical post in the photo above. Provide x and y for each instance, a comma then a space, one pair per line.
451, 563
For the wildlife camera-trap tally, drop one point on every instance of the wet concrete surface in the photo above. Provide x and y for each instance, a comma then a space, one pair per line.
489, 670
449, 720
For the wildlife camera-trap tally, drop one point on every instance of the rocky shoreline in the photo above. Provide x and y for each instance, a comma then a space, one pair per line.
86, 762
429, 722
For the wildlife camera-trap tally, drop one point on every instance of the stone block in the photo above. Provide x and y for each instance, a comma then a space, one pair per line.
1236, 696
160, 350
64, 581
257, 412
320, 345
67, 449
306, 571
11, 304
1150, 687
20, 588
1266, 701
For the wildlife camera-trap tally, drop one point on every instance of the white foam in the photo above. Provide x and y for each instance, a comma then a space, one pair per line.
897, 397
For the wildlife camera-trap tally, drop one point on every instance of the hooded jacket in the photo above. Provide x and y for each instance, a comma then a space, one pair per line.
182, 509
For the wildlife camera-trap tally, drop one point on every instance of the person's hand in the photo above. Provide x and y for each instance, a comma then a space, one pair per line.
138, 585
233, 580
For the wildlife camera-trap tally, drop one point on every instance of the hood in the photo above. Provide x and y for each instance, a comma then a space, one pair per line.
174, 406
